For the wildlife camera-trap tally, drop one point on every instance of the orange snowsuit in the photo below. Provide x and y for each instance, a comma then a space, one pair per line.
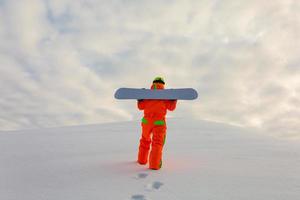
153, 124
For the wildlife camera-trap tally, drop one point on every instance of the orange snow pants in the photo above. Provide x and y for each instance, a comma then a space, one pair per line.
153, 134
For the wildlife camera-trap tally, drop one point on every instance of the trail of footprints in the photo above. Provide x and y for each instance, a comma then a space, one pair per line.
154, 186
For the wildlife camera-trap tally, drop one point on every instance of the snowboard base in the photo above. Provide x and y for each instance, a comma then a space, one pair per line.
165, 94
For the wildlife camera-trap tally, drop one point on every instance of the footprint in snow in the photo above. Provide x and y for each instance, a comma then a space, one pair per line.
141, 175
154, 186
138, 197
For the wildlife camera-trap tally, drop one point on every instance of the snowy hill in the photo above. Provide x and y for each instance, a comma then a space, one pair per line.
202, 160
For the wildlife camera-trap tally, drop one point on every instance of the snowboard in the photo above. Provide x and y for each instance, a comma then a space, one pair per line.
167, 94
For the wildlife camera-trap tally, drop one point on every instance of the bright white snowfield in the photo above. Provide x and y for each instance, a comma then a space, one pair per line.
202, 160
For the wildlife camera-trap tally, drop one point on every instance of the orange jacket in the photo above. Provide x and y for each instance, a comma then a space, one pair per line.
156, 108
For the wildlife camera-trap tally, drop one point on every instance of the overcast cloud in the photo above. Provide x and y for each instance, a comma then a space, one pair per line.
62, 60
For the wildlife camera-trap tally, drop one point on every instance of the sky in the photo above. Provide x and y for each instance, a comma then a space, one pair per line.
62, 60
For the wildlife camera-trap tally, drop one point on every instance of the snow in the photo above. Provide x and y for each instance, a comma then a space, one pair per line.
202, 160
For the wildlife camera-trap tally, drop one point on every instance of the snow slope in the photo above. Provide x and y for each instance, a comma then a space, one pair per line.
202, 160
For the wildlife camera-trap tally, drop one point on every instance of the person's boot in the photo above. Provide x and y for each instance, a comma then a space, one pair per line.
155, 159
143, 156
143, 152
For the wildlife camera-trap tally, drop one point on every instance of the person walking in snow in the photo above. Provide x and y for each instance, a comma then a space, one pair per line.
154, 127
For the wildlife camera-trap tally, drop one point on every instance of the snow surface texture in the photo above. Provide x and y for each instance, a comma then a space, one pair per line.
202, 160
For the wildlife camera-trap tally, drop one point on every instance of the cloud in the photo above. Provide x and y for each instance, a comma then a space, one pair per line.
61, 61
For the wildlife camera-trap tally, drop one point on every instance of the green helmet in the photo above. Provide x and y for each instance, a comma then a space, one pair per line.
159, 80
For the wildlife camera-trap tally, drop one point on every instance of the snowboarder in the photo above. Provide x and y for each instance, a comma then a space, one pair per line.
154, 127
